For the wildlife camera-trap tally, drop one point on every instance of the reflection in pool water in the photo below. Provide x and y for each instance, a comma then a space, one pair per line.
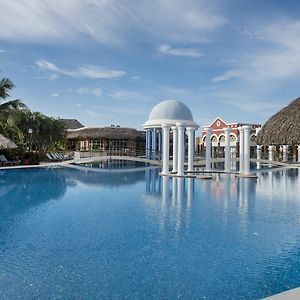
114, 164
68, 233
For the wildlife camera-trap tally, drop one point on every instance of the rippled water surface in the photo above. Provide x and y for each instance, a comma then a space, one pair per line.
71, 234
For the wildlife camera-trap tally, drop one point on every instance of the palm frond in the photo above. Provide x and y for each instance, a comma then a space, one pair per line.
6, 85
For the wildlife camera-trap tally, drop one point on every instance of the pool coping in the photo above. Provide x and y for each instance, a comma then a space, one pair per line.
157, 164
293, 294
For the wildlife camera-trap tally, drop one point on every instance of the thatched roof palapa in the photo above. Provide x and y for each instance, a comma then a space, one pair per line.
283, 128
105, 132
6, 143
72, 123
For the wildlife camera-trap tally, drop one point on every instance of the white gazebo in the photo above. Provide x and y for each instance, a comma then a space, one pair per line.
174, 115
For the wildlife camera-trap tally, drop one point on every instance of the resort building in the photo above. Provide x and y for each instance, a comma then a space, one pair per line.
112, 140
72, 124
218, 138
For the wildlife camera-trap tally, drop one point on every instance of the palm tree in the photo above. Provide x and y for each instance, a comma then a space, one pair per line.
8, 110
6, 85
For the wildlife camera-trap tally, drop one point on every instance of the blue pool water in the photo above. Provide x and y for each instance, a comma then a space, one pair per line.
114, 164
71, 234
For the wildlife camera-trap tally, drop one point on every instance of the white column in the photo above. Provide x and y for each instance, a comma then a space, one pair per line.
227, 131
298, 155
159, 144
180, 168
247, 149
175, 148
207, 148
148, 143
285, 153
241, 154
165, 137
271, 153
191, 147
258, 151
154, 144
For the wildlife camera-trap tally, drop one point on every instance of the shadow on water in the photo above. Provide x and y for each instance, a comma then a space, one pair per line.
23, 189
26, 188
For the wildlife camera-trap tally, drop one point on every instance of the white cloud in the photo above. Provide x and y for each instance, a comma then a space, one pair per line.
49, 77
231, 74
135, 78
276, 55
188, 52
129, 96
55, 94
90, 91
283, 60
2, 51
109, 22
95, 114
249, 99
92, 72
179, 21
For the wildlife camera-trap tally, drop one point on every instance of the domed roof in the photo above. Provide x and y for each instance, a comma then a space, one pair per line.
170, 112
283, 127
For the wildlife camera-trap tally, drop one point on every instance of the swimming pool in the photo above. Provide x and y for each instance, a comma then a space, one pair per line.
114, 164
66, 233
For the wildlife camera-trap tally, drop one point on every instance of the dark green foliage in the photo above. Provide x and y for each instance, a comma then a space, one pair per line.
16, 119
47, 133
33, 158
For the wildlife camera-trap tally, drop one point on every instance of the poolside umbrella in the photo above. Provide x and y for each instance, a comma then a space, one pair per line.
283, 127
6, 143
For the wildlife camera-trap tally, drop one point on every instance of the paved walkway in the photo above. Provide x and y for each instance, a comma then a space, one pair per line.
199, 163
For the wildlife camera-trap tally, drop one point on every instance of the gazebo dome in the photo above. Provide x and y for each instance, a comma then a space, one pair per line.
170, 112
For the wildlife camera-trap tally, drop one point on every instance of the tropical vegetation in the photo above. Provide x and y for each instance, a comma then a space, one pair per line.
31, 131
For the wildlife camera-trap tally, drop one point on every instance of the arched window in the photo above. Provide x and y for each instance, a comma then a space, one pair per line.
214, 139
232, 138
222, 138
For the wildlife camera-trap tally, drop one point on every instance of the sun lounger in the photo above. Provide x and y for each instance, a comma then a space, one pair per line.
49, 156
5, 162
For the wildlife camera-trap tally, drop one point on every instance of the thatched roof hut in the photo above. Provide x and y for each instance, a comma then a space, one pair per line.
105, 132
72, 123
283, 128
6, 143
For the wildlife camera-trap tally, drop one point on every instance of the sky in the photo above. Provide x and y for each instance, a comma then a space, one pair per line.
109, 62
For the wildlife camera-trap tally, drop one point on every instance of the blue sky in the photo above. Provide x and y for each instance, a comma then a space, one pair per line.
110, 61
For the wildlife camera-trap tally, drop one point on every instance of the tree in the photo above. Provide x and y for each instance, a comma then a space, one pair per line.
16, 120
47, 133
8, 111
6, 85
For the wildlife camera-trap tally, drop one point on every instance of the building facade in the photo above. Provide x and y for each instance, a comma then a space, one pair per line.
113, 140
218, 138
